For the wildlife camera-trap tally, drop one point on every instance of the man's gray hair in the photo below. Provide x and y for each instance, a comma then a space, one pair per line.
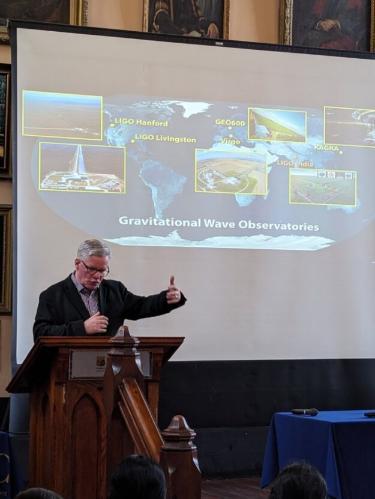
93, 247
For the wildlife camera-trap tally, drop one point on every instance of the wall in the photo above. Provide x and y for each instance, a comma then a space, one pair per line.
249, 20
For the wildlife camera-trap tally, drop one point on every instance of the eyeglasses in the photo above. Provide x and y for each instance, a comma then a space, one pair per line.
94, 270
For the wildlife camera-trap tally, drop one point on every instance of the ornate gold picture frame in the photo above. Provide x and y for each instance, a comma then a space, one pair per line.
53, 11
5, 163
197, 18
330, 24
5, 259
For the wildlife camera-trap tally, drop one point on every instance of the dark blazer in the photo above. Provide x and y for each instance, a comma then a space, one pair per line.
61, 311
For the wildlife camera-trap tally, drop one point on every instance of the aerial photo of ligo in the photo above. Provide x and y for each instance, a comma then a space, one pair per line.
81, 168
224, 172
323, 187
276, 125
70, 116
349, 126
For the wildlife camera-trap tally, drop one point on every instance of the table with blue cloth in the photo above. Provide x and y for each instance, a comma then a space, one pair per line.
341, 444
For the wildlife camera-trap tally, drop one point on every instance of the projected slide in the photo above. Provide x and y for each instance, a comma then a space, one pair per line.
202, 174
244, 170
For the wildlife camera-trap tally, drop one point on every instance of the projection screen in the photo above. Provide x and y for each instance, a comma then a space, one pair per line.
246, 171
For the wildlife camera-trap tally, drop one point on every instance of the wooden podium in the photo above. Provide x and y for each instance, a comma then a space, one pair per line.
94, 400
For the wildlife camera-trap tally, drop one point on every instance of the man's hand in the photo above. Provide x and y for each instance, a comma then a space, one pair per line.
97, 323
328, 25
213, 31
173, 293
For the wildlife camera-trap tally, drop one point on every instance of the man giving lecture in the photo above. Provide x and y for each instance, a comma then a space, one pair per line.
85, 303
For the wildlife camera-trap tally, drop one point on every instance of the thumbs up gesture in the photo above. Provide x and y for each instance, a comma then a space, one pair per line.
173, 293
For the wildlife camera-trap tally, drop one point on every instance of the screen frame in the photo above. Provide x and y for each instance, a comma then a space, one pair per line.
15, 25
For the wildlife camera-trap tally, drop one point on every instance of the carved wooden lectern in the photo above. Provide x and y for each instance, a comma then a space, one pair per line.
95, 401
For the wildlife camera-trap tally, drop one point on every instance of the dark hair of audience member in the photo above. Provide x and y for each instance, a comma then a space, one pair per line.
38, 493
299, 481
138, 477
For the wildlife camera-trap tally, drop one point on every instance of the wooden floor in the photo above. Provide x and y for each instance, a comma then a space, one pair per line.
236, 488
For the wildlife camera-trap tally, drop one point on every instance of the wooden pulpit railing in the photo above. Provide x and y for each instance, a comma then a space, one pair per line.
174, 447
143, 430
124, 389
93, 402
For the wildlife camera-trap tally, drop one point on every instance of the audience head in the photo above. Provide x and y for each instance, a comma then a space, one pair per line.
38, 493
138, 477
299, 481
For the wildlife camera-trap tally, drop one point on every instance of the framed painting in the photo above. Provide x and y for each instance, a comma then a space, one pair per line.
330, 24
52, 11
5, 166
199, 18
5, 258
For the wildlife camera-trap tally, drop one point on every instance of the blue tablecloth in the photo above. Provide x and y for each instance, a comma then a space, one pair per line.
341, 444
